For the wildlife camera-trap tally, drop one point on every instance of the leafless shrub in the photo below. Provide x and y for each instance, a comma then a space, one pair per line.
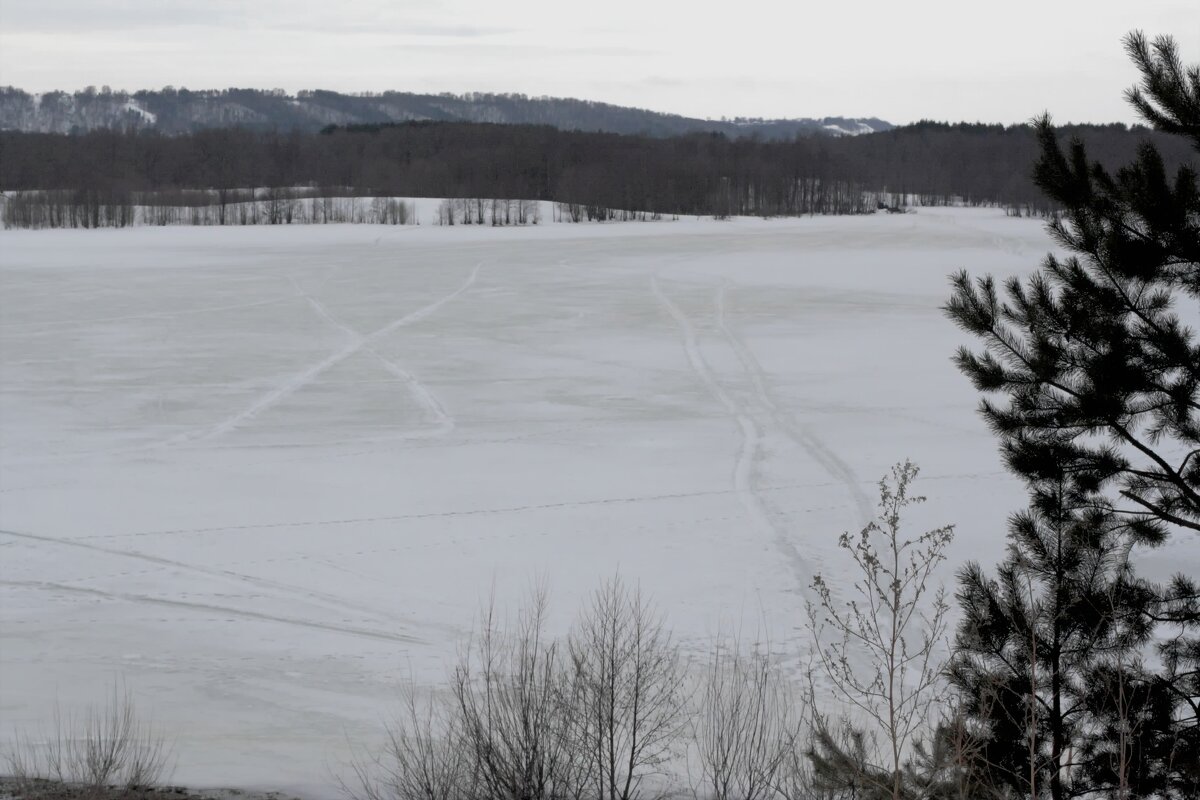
101, 746
745, 726
527, 717
508, 690
627, 695
424, 757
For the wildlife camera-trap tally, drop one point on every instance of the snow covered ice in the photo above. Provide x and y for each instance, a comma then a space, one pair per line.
266, 474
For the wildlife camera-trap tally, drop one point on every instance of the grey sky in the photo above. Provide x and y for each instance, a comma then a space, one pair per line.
902, 60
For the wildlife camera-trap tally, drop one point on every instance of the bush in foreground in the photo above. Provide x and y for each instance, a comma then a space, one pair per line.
91, 752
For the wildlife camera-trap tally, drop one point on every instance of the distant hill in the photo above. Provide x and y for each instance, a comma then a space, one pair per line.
176, 111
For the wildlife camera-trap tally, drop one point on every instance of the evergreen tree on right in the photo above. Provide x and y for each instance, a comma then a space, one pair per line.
1076, 677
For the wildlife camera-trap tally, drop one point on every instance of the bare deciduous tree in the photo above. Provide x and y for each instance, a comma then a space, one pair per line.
508, 691
101, 746
744, 729
628, 692
424, 757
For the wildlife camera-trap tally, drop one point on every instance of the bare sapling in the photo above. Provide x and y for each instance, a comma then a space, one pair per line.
507, 690
424, 757
103, 746
882, 650
744, 729
627, 695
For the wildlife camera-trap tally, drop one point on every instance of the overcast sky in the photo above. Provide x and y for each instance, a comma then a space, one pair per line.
902, 60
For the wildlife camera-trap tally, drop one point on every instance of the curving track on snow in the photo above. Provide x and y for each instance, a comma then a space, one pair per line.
799, 433
750, 452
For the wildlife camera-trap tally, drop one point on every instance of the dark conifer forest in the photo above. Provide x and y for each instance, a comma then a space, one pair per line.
96, 178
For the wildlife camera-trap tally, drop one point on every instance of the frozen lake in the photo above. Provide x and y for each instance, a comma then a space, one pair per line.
264, 474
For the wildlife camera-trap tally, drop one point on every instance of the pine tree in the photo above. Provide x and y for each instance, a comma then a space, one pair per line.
1063, 604
1097, 365
1102, 421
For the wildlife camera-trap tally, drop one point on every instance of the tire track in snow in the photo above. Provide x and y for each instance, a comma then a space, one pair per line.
833, 464
419, 391
311, 596
227, 610
423, 396
750, 452
307, 376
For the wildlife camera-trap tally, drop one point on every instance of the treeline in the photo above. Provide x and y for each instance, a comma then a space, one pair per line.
120, 208
699, 174
981, 164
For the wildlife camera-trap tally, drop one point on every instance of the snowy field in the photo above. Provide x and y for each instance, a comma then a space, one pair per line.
264, 474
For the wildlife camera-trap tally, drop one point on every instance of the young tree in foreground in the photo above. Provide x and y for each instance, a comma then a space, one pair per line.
507, 692
950, 762
744, 729
1063, 605
106, 746
425, 756
627, 697
882, 651
1102, 421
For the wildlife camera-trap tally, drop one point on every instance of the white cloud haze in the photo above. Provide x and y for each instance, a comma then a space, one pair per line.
940, 59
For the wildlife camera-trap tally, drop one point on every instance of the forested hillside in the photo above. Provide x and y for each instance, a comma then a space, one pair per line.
181, 111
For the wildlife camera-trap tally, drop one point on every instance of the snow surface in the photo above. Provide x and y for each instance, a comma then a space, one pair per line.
858, 129
265, 474
149, 116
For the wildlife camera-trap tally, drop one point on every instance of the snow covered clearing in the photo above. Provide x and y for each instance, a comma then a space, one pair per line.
265, 474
